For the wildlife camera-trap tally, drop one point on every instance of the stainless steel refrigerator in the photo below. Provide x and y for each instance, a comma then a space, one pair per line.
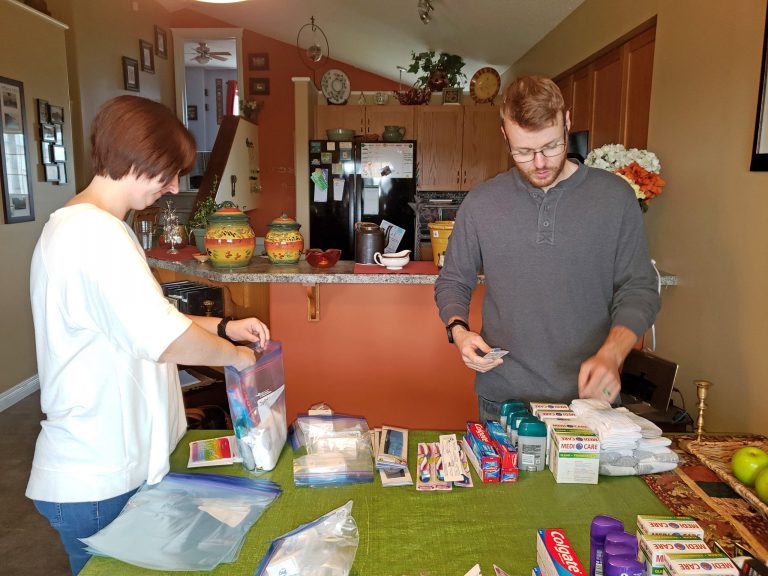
360, 182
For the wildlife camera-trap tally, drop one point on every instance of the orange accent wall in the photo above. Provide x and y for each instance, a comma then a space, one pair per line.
379, 350
276, 153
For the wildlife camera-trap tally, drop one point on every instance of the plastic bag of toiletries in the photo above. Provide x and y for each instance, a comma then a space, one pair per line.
257, 405
325, 547
185, 522
331, 450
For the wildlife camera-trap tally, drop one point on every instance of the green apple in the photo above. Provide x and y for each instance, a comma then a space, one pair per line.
747, 462
761, 485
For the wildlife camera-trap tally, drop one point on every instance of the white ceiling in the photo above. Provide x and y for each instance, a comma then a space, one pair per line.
379, 35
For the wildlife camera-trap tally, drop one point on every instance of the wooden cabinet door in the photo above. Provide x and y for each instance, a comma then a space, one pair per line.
439, 134
638, 57
376, 117
347, 116
606, 99
484, 152
581, 109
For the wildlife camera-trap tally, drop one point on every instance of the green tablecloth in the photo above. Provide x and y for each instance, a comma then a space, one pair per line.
408, 533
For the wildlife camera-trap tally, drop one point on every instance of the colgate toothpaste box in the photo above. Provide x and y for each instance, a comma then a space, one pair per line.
556, 556
488, 459
506, 451
712, 564
654, 547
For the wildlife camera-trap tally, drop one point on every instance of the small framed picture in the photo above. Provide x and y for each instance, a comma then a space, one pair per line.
147, 52
259, 86
56, 114
161, 43
59, 153
192, 112
47, 133
258, 61
42, 111
59, 132
130, 74
62, 173
46, 153
451, 95
51, 173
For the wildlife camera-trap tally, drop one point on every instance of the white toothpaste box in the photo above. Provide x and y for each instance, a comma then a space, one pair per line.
712, 564
555, 555
675, 525
654, 547
574, 455
536, 406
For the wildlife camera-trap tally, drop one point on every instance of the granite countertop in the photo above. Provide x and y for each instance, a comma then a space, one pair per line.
260, 270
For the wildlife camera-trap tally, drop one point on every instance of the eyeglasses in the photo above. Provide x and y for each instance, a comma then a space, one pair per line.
548, 151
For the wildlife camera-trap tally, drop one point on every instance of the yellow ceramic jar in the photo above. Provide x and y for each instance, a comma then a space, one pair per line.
284, 243
229, 238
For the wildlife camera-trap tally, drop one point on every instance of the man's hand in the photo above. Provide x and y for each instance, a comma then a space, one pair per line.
248, 330
468, 344
599, 374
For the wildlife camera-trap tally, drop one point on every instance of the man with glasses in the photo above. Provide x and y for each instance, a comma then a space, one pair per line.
569, 285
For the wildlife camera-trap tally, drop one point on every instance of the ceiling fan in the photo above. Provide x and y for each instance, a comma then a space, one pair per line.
203, 54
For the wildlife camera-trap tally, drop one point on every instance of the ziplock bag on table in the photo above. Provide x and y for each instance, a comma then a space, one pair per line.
257, 405
325, 547
185, 522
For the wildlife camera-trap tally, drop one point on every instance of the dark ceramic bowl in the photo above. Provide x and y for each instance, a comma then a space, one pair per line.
323, 259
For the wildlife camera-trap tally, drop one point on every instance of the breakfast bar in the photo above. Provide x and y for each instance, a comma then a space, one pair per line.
365, 343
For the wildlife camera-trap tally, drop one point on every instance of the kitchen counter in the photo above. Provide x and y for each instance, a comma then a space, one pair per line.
260, 270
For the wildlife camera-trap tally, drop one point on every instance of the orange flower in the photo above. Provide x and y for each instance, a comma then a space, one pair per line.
650, 183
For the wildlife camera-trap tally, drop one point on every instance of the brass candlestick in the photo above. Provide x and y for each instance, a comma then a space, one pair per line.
702, 389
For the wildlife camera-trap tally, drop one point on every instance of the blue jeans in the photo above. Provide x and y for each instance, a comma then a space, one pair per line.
488, 409
79, 520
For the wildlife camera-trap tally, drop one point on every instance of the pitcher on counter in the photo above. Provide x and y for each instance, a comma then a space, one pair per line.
569, 284
107, 340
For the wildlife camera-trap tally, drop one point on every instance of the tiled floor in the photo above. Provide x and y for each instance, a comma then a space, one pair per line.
28, 544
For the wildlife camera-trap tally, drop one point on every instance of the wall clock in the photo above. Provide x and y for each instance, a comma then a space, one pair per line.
484, 85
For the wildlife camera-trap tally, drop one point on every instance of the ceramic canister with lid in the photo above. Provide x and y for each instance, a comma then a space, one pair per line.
283, 242
229, 238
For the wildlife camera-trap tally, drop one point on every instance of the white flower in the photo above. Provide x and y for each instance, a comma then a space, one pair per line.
614, 156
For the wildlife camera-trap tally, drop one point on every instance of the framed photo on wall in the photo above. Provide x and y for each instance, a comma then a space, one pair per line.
258, 86
15, 180
47, 133
42, 111
147, 56
46, 153
56, 114
192, 112
161, 43
130, 74
258, 61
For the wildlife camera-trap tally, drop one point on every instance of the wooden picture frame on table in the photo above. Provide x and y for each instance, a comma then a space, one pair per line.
161, 43
258, 86
258, 61
147, 53
15, 180
130, 74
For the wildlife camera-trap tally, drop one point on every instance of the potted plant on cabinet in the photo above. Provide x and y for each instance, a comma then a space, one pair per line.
199, 221
437, 71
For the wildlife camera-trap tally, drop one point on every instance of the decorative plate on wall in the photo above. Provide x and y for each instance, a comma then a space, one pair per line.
335, 86
484, 85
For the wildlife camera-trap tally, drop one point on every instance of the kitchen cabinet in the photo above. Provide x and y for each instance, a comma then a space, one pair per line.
459, 146
364, 119
609, 94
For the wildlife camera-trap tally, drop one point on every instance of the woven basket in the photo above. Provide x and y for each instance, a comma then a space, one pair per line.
716, 455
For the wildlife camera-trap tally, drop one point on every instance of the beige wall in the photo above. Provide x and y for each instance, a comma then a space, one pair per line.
38, 61
709, 226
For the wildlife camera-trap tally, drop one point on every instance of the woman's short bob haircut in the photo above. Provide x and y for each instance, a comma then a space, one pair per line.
533, 103
133, 135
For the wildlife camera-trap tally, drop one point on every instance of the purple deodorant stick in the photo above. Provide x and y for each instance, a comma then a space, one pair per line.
601, 526
624, 538
623, 566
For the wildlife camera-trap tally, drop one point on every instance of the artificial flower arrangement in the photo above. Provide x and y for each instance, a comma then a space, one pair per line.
640, 168
250, 109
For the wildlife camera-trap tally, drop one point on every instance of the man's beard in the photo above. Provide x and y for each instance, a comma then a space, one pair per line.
528, 171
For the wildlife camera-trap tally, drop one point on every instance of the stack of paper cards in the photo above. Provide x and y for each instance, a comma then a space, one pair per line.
213, 452
391, 449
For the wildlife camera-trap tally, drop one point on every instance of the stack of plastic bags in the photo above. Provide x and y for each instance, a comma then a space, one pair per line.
185, 522
331, 450
325, 547
630, 445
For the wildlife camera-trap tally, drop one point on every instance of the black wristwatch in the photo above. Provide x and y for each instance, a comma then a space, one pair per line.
221, 329
450, 326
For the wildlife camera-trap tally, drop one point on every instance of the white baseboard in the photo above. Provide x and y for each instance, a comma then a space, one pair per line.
19, 392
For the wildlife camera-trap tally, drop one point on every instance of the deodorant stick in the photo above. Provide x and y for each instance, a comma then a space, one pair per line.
623, 538
623, 566
601, 526
531, 444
